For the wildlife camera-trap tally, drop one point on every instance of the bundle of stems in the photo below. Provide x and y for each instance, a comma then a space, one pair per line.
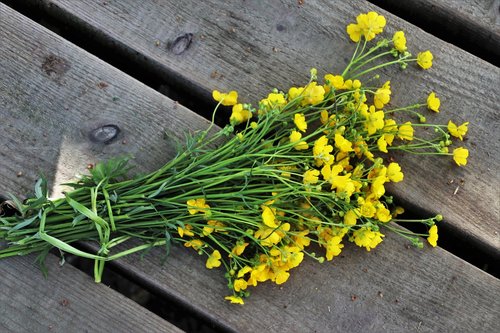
304, 167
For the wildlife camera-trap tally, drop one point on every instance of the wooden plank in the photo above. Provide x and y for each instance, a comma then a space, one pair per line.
421, 289
471, 24
395, 288
67, 301
253, 47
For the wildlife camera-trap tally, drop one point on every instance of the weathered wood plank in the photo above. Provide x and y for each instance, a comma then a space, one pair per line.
67, 301
253, 47
473, 24
393, 289
422, 289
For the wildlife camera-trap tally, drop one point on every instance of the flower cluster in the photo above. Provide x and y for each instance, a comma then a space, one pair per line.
307, 167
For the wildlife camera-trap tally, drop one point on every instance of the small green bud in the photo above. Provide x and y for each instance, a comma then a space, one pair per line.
439, 217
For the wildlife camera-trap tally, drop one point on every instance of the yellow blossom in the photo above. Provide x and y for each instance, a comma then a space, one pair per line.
197, 205
367, 238
383, 214
424, 59
394, 173
239, 248
333, 247
239, 114
342, 143
382, 144
213, 260
390, 129
311, 176
399, 41
301, 239
195, 244
212, 226
300, 121
382, 95
322, 150
313, 94
405, 131
234, 299
460, 155
228, 99
295, 137
274, 100
269, 217
433, 102
350, 217
185, 231
374, 120
335, 81
368, 25
458, 131
239, 285
433, 236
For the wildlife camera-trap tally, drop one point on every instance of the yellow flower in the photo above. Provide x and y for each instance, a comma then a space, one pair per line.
239, 285
424, 59
228, 99
342, 143
311, 176
313, 94
382, 95
195, 244
322, 150
269, 217
390, 129
350, 217
333, 247
301, 240
212, 226
368, 25
460, 155
239, 248
458, 131
300, 121
394, 173
382, 144
433, 235
234, 299
335, 81
365, 237
295, 137
239, 115
274, 100
374, 120
405, 131
213, 260
185, 231
399, 41
433, 102
383, 214
197, 205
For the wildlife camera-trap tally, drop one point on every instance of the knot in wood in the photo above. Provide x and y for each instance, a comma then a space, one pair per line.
181, 43
104, 134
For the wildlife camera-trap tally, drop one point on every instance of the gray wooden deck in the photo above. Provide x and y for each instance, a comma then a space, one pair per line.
52, 93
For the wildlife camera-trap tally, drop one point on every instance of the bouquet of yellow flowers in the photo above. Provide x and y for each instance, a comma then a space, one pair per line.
304, 169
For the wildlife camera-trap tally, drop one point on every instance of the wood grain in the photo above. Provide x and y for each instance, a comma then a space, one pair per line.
394, 288
471, 24
253, 47
67, 301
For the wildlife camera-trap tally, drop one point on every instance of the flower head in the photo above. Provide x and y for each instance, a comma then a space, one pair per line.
213, 260
433, 236
460, 155
405, 131
382, 95
234, 299
399, 41
458, 131
368, 25
300, 121
239, 114
433, 102
424, 59
229, 99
